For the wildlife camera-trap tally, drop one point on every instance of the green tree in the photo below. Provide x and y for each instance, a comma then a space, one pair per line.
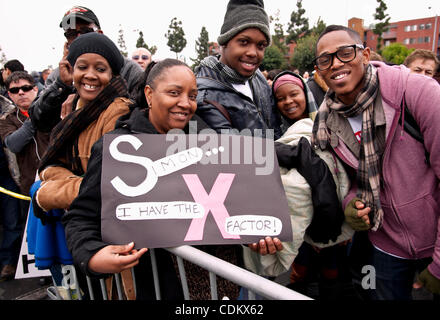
279, 38
176, 36
302, 58
319, 27
141, 44
382, 25
396, 53
298, 25
202, 47
273, 59
121, 42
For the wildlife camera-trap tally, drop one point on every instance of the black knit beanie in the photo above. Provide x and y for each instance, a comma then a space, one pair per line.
98, 43
241, 15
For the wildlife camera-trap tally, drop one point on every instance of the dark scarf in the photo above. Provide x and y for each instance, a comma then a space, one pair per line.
368, 174
229, 74
64, 136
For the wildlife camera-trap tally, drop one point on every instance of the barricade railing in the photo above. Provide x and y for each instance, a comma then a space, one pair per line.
256, 285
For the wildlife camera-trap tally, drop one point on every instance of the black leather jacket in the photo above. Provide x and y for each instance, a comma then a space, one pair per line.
244, 113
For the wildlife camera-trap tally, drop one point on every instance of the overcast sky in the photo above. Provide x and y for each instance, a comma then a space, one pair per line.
30, 29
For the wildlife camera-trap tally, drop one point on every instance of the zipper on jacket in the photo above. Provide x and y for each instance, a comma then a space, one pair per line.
391, 134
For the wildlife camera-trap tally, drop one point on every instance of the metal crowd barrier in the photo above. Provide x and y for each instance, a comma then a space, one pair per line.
255, 284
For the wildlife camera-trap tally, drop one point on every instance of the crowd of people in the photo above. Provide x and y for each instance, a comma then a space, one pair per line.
356, 141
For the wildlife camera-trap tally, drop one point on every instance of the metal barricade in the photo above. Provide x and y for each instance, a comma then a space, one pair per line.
256, 284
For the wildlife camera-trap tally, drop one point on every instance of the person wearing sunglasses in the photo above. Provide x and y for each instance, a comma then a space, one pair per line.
393, 202
46, 114
17, 131
142, 57
20, 137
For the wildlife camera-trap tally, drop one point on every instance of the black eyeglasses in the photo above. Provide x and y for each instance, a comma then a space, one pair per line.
71, 34
25, 88
344, 54
143, 57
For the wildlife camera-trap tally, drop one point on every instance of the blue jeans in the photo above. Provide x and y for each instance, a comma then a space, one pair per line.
395, 276
10, 213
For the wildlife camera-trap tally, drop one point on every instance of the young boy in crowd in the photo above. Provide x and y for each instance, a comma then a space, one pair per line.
233, 93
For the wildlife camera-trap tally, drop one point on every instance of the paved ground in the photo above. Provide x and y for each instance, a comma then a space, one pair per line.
25, 289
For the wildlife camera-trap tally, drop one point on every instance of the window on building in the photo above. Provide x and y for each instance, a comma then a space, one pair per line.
412, 40
414, 28
420, 40
406, 41
428, 26
427, 39
407, 28
422, 27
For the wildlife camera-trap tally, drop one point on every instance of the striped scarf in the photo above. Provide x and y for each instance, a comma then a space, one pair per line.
229, 74
64, 136
372, 141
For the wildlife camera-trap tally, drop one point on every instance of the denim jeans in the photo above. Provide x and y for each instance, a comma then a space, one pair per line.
395, 276
10, 214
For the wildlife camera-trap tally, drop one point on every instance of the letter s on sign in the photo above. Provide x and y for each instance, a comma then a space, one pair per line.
151, 178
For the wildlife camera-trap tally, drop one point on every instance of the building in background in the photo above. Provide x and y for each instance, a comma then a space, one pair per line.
418, 33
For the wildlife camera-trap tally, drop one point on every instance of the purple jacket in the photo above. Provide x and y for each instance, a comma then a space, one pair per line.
410, 194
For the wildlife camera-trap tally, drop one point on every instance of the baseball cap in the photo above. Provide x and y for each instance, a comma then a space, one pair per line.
81, 13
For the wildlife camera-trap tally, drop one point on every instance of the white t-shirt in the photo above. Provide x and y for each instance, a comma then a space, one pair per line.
356, 125
245, 89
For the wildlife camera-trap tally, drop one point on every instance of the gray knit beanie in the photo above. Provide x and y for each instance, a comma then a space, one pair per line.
241, 15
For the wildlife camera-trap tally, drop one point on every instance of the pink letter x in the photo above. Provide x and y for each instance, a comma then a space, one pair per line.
212, 202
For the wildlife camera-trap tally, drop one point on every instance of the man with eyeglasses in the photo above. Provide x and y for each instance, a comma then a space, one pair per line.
394, 199
142, 57
20, 137
77, 21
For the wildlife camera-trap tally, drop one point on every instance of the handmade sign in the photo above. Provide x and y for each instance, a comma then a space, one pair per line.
170, 190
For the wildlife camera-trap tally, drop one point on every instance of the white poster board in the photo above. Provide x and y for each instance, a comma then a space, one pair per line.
26, 262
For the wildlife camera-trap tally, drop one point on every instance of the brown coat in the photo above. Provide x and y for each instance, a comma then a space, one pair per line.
28, 157
59, 185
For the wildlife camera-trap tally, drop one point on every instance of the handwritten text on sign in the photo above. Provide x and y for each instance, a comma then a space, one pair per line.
159, 198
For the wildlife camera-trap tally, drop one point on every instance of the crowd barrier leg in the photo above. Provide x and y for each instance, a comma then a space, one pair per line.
213, 285
90, 288
103, 289
118, 286
155, 274
183, 279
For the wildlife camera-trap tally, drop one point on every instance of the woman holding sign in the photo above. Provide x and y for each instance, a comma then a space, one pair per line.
167, 100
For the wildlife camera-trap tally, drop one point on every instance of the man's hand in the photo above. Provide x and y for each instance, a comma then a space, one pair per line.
427, 280
267, 246
114, 259
356, 215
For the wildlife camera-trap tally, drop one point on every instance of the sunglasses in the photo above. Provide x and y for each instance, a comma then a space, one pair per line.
143, 57
25, 88
71, 34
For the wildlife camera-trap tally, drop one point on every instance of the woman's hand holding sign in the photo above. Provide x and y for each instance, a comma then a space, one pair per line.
267, 245
115, 258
